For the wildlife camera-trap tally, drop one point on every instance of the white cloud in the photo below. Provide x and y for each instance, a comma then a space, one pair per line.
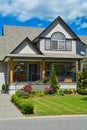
39, 25
78, 21
84, 25
23, 10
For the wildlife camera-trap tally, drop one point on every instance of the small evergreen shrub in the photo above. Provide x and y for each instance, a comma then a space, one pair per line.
3, 87
54, 80
27, 88
82, 91
82, 76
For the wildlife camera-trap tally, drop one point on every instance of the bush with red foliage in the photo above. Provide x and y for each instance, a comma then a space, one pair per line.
49, 90
27, 88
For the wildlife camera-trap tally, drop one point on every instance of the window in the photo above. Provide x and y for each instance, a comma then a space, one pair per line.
54, 45
58, 42
62, 45
20, 67
20, 71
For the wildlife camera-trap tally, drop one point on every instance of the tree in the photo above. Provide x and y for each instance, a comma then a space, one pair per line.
53, 79
83, 75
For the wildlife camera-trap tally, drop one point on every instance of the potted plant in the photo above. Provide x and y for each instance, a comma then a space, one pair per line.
45, 79
3, 88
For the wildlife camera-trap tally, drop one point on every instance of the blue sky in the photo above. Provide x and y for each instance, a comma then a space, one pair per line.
40, 13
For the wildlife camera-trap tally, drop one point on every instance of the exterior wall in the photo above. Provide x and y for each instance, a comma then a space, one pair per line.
80, 48
3, 73
42, 48
86, 50
40, 87
67, 35
26, 48
60, 29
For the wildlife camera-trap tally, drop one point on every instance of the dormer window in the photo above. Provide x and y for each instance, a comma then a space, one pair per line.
58, 42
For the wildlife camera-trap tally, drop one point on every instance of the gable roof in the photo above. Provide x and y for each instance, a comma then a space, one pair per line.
53, 24
2, 48
13, 36
83, 39
30, 42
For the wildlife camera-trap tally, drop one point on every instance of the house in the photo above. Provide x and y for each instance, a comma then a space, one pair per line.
84, 39
27, 53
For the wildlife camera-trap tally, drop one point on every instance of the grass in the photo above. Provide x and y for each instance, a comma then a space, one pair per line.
60, 105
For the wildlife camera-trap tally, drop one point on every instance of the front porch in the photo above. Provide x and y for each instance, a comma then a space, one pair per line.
37, 70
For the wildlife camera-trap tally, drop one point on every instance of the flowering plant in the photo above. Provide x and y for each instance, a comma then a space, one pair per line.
27, 88
49, 90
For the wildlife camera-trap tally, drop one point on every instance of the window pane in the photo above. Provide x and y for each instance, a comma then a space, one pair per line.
62, 45
58, 36
20, 71
68, 45
54, 45
47, 44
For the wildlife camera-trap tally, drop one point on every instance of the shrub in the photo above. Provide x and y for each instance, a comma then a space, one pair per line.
61, 92
27, 88
68, 91
32, 94
49, 90
45, 79
82, 80
27, 107
22, 94
82, 91
3, 87
24, 105
40, 93
53, 80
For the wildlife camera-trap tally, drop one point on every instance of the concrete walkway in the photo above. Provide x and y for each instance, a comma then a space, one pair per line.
7, 109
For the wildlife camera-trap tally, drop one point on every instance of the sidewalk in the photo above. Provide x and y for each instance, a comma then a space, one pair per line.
7, 109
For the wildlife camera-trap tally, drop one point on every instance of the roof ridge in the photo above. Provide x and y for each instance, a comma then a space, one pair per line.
23, 26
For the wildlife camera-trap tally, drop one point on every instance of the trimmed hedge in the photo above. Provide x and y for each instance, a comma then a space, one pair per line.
25, 106
82, 91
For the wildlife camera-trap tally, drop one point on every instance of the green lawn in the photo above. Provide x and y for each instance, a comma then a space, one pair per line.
60, 105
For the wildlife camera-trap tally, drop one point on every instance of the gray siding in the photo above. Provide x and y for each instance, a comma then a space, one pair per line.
80, 48
3, 73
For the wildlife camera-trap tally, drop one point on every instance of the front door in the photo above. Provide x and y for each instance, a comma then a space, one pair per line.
32, 72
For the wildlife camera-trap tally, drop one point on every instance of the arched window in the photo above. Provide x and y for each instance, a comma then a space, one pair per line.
58, 40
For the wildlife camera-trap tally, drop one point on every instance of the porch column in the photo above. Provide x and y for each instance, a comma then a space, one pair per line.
11, 70
78, 69
43, 68
78, 65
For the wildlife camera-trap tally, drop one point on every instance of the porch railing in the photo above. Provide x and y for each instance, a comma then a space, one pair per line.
36, 76
66, 78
